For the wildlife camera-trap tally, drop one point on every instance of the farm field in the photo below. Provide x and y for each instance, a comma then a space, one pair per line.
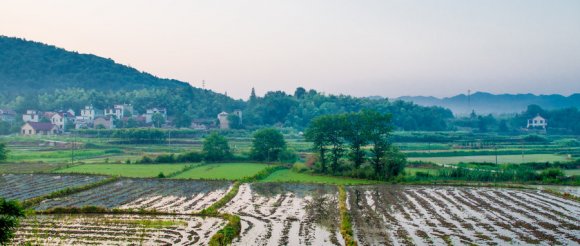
126, 170
287, 214
30, 167
226, 171
503, 159
116, 230
175, 196
25, 186
294, 177
451, 215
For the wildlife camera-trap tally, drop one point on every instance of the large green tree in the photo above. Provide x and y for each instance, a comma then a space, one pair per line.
216, 148
268, 144
379, 130
10, 214
316, 133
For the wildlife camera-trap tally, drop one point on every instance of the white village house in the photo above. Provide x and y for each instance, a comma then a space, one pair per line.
106, 122
61, 119
537, 122
7, 115
120, 110
153, 111
31, 116
225, 122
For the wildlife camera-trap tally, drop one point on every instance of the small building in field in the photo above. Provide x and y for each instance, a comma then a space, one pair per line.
120, 111
38, 128
31, 116
61, 120
155, 111
537, 122
223, 119
105, 122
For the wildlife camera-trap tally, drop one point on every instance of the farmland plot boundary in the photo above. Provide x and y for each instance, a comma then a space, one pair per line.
185, 169
232, 229
345, 221
67, 191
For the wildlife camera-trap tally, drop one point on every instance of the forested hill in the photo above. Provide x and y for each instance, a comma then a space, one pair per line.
32, 67
486, 103
47, 78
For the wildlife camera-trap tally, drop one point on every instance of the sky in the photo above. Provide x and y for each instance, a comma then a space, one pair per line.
387, 48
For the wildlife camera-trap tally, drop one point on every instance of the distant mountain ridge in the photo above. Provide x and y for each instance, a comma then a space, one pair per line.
33, 67
487, 103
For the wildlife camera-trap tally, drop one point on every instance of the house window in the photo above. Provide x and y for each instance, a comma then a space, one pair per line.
29, 131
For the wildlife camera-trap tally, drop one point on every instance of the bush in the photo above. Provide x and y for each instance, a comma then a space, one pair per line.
190, 157
288, 156
422, 175
300, 167
10, 214
552, 174
165, 159
161, 175
146, 160
113, 151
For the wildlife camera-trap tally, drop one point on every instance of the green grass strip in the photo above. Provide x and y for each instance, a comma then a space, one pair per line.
263, 174
226, 235
213, 209
185, 169
345, 221
232, 229
67, 191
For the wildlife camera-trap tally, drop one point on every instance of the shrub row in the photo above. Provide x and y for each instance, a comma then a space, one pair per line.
67, 191
172, 158
345, 221
263, 174
213, 209
226, 235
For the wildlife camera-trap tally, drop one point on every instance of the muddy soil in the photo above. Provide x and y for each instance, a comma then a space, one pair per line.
414, 215
287, 214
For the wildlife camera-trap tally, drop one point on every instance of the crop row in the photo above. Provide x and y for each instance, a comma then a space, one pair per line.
176, 196
460, 215
25, 186
286, 214
116, 230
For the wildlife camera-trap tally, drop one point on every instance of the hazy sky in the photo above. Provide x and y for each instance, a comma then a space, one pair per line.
382, 47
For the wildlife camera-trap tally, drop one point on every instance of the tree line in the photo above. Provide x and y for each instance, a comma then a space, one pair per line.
341, 142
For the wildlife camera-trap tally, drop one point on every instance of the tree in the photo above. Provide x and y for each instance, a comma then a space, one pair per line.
379, 130
3, 152
216, 148
234, 121
182, 120
315, 133
357, 134
158, 120
299, 93
10, 214
268, 144
395, 163
328, 130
